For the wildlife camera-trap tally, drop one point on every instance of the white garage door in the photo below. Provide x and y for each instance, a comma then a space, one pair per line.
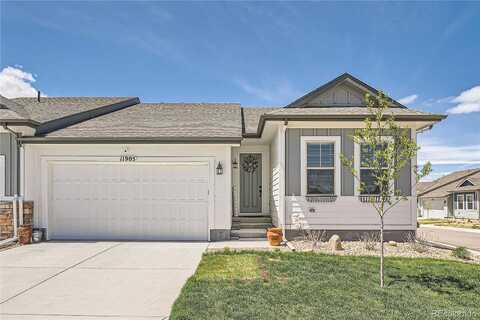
140, 201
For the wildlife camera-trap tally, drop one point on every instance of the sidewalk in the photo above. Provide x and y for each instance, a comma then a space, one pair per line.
261, 245
457, 237
450, 228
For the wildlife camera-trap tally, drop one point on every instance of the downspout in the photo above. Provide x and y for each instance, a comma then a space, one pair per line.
21, 181
427, 128
282, 180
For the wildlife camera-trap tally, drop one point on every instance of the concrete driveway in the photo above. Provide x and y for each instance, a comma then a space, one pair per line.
458, 237
95, 280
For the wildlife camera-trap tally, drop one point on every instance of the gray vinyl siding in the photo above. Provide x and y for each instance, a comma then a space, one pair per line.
8, 148
293, 174
404, 181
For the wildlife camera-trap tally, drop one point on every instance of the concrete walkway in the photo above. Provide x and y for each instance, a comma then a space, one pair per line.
95, 280
259, 245
452, 236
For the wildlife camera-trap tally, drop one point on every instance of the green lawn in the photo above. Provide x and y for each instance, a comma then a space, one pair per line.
290, 285
457, 223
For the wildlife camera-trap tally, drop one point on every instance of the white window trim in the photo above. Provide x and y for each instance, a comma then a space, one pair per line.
356, 164
336, 140
2, 176
458, 196
463, 196
472, 202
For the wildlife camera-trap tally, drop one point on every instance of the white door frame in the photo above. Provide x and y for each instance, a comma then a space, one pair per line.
48, 161
264, 150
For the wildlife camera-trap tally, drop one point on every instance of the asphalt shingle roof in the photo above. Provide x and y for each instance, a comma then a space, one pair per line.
442, 186
465, 189
51, 108
11, 110
251, 117
6, 114
162, 120
422, 186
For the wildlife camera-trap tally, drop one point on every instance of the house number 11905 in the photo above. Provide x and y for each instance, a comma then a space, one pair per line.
128, 158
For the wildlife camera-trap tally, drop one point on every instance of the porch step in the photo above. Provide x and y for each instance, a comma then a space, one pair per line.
251, 225
252, 239
249, 233
248, 239
255, 219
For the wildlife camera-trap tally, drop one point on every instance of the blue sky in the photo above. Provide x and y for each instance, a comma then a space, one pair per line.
258, 54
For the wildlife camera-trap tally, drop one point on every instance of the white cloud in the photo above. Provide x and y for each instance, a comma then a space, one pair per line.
280, 92
434, 175
14, 82
440, 154
468, 101
408, 99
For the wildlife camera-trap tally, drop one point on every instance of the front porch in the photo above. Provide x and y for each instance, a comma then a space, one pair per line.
251, 191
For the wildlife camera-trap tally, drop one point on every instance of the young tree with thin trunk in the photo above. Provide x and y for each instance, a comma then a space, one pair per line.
385, 150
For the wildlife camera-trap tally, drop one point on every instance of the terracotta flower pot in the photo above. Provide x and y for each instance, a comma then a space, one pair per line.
274, 236
276, 230
25, 234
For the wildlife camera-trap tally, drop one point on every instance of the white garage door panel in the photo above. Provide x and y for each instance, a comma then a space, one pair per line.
154, 201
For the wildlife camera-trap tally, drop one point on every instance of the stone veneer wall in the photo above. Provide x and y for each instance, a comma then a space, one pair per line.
6, 217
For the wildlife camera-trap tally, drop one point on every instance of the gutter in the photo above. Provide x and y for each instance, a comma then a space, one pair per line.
329, 117
18, 122
123, 140
5, 126
428, 128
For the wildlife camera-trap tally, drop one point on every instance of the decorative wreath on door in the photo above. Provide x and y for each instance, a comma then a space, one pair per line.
250, 164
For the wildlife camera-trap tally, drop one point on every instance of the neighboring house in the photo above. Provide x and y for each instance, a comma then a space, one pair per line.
455, 195
107, 168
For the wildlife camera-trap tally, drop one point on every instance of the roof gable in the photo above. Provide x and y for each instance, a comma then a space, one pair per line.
466, 183
343, 91
442, 186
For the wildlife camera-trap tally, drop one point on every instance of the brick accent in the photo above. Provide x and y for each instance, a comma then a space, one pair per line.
6, 217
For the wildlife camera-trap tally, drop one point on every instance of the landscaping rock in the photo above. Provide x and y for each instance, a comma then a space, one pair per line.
335, 242
392, 243
402, 249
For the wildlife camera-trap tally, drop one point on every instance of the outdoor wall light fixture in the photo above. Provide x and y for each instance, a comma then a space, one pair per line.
234, 164
219, 168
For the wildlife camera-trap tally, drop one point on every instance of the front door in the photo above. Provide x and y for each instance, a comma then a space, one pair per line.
250, 183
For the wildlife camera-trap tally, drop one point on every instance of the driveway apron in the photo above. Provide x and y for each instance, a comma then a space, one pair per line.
95, 280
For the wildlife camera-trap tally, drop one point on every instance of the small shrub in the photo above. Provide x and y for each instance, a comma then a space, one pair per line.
315, 237
461, 252
416, 243
370, 240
